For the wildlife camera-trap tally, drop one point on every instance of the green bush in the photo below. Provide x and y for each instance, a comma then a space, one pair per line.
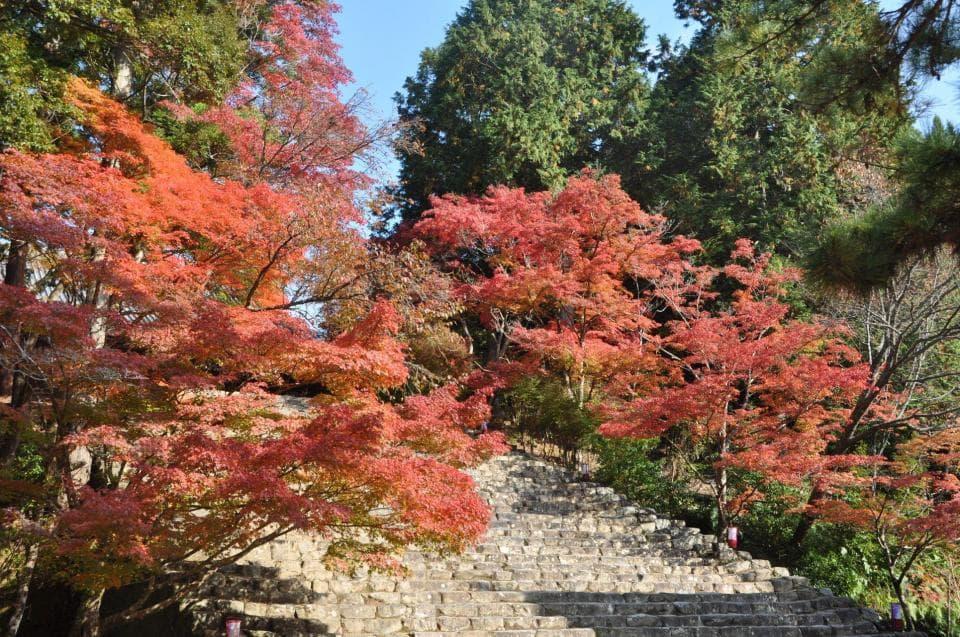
632, 468
768, 525
845, 561
543, 410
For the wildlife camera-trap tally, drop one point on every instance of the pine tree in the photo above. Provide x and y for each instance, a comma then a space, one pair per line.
743, 143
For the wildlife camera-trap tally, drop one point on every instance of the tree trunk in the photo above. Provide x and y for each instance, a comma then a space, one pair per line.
87, 621
97, 298
77, 463
582, 389
23, 590
20, 394
807, 519
496, 347
15, 274
722, 520
721, 477
898, 589
122, 75
802, 530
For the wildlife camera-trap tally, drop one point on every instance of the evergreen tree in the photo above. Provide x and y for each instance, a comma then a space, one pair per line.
865, 252
142, 52
523, 93
922, 40
848, 71
742, 142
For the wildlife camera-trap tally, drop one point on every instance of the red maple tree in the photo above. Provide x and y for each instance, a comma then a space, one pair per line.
569, 284
764, 393
583, 286
909, 505
286, 120
147, 290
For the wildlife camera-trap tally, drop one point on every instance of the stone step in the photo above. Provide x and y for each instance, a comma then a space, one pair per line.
575, 542
545, 632
561, 558
489, 616
496, 574
601, 564
581, 548
663, 604
549, 571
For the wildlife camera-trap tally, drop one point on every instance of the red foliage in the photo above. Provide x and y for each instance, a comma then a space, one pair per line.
766, 392
584, 287
187, 279
910, 506
286, 121
912, 502
571, 281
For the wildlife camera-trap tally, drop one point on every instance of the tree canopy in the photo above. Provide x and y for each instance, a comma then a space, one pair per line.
205, 344
743, 140
143, 52
523, 94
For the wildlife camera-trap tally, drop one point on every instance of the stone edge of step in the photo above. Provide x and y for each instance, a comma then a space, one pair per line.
782, 584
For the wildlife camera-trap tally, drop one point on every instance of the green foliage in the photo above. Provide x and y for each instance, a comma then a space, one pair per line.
181, 49
936, 605
28, 96
184, 50
742, 142
203, 144
201, 41
29, 463
864, 252
851, 563
543, 409
523, 94
768, 525
643, 472
630, 467
845, 561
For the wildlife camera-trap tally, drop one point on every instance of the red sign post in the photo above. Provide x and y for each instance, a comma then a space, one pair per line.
733, 537
896, 616
233, 626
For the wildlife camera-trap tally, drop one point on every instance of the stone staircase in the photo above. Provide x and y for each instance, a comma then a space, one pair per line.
562, 558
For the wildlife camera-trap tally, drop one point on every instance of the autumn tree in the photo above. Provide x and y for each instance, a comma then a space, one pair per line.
908, 332
285, 121
582, 289
755, 391
285, 125
144, 290
565, 286
910, 506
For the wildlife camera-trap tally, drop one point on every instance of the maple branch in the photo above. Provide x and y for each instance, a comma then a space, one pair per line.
266, 268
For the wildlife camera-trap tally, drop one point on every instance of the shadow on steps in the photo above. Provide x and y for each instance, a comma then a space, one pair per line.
796, 613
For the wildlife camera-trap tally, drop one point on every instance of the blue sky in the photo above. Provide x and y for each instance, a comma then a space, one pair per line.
381, 39
381, 42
